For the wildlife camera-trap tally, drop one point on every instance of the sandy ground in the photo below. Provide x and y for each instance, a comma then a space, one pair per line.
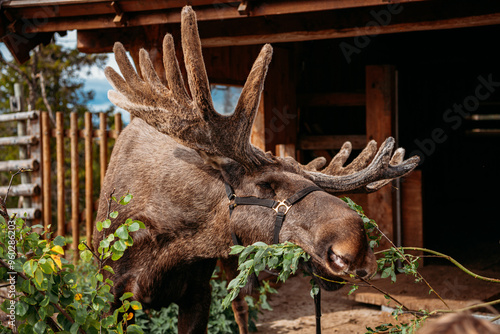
293, 312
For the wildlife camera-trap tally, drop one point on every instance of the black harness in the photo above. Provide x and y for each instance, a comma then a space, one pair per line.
281, 208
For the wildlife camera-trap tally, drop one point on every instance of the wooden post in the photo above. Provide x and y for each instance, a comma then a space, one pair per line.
103, 148
61, 221
118, 124
89, 203
285, 150
380, 115
46, 184
74, 184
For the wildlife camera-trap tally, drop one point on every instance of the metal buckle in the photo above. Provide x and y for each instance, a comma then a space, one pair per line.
284, 205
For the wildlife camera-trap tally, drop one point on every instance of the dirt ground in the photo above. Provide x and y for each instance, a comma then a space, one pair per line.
293, 312
293, 308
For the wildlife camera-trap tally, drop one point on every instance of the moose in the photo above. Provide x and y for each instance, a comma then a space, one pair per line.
185, 164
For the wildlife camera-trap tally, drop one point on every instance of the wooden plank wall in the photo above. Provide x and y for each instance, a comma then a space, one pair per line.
380, 124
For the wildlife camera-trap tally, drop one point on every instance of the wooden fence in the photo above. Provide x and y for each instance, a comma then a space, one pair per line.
59, 134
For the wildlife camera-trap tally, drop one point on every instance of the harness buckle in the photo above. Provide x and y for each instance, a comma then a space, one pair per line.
282, 204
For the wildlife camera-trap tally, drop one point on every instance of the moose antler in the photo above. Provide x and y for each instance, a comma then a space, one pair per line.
193, 122
368, 172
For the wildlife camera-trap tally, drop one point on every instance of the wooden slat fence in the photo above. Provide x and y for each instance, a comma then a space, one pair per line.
90, 137
53, 140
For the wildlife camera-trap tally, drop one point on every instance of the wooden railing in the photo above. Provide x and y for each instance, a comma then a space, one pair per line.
48, 138
28, 126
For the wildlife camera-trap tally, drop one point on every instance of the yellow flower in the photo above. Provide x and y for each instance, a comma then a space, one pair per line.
78, 296
130, 316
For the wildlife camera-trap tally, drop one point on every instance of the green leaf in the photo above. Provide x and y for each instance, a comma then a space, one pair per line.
126, 295
106, 223
29, 268
38, 276
121, 232
116, 255
113, 214
134, 329
39, 327
236, 249
108, 268
81, 315
86, 255
74, 328
126, 199
59, 241
134, 227
81, 246
120, 246
98, 226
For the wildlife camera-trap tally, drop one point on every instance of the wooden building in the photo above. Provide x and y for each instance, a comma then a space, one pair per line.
424, 71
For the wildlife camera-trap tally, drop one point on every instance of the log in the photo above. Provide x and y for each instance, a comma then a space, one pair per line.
31, 213
18, 140
19, 116
15, 165
28, 189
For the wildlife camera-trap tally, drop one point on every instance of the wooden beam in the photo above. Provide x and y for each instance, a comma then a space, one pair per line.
331, 142
304, 35
332, 99
55, 9
380, 115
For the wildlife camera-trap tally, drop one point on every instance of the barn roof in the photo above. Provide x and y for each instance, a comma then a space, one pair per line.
26, 23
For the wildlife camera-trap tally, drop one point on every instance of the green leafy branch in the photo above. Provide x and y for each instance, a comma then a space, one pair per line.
255, 258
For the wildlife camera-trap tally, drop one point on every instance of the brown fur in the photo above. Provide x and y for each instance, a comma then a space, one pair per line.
175, 157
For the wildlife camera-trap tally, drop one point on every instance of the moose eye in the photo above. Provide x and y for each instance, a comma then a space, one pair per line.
264, 186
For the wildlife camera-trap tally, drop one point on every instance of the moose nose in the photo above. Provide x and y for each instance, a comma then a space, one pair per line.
361, 272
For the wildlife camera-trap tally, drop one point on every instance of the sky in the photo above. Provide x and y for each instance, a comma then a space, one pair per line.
96, 81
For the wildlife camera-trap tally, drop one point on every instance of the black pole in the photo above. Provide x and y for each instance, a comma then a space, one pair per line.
317, 310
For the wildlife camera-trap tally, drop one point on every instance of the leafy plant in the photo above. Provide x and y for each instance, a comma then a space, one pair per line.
43, 283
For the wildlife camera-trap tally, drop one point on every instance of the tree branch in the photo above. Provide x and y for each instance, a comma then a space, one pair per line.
15, 68
45, 100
